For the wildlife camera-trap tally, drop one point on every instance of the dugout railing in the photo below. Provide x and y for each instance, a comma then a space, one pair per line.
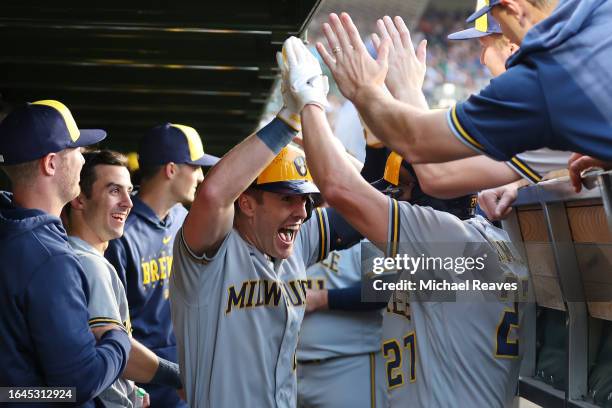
566, 241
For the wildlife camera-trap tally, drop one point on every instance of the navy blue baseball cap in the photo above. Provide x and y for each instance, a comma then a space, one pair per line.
175, 143
485, 8
483, 26
39, 128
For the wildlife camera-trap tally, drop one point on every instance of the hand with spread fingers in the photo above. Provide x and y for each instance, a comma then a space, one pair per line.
348, 59
406, 67
302, 75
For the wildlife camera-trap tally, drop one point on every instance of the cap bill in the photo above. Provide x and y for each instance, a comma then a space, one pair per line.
89, 137
206, 160
468, 34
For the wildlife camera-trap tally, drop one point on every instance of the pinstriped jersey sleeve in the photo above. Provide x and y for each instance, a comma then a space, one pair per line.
419, 230
313, 239
507, 117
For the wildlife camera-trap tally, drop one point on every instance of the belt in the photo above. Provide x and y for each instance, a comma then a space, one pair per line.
319, 360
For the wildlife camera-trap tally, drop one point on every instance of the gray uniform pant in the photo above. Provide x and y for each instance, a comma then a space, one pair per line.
356, 381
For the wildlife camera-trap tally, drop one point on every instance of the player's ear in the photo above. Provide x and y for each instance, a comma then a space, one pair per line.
78, 203
170, 170
247, 204
515, 8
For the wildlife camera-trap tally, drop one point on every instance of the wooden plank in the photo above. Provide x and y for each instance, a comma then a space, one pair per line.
533, 226
589, 224
541, 262
548, 292
584, 203
600, 310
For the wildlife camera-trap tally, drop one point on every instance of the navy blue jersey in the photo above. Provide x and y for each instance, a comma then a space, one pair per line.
143, 259
556, 93
44, 332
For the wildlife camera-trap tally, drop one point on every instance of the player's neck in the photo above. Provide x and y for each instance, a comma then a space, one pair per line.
157, 198
247, 233
38, 196
79, 228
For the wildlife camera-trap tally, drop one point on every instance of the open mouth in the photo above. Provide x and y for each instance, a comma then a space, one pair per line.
119, 216
287, 234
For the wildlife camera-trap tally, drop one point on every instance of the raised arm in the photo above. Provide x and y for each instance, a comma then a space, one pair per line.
212, 213
417, 134
404, 81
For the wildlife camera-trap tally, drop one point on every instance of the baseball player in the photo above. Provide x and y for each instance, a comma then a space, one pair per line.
539, 102
44, 333
237, 290
451, 179
170, 157
435, 356
96, 216
339, 359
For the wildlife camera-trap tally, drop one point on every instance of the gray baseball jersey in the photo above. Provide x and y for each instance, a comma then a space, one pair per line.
236, 318
451, 354
338, 333
107, 304
339, 359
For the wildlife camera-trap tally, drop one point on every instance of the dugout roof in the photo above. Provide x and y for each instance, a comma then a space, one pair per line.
125, 66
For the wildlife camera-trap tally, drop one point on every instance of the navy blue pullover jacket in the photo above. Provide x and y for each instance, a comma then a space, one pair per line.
45, 339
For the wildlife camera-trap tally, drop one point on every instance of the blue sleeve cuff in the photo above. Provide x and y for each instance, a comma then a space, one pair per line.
349, 299
119, 337
461, 127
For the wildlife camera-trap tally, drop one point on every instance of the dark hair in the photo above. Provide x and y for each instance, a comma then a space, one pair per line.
148, 172
93, 159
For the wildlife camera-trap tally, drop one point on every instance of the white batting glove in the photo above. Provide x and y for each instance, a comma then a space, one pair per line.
290, 112
305, 78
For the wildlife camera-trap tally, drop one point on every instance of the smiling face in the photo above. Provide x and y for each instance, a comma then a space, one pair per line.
106, 210
274, 220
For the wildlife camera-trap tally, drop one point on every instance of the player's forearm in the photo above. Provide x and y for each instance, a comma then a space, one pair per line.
144, 366
328, 164
241, 165
460, 177
412, 96
390, 120
142, 363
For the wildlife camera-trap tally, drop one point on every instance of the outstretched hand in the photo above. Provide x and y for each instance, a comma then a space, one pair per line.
348, 59
406, 66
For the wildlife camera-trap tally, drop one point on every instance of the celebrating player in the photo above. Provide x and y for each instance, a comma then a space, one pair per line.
96, 216
455, 178
426, 366
538, 102
237, 289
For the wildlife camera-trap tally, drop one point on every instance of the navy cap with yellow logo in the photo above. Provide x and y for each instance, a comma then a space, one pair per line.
484, 25
39, 128
174, 143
